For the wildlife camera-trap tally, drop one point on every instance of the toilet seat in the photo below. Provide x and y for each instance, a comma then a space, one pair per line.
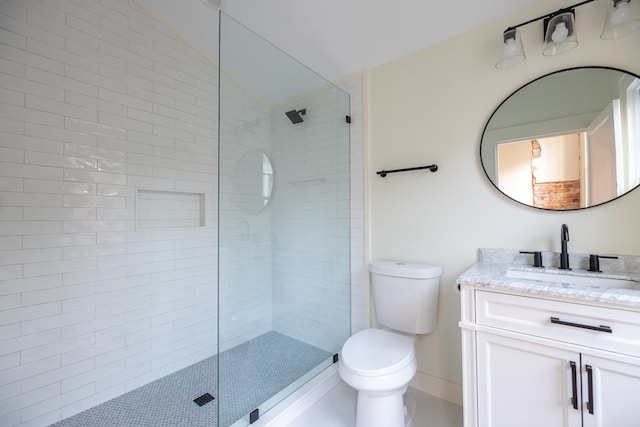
377, 352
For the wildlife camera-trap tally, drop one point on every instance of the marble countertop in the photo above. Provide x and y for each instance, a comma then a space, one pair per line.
491, 272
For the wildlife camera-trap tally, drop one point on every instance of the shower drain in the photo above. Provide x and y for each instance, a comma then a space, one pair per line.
203, 400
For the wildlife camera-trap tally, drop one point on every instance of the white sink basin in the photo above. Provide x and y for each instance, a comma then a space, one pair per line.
591, 281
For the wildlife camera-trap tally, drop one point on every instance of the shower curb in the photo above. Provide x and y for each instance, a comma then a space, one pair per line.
302, 399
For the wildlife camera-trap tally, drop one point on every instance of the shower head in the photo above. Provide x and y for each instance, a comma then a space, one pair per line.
296, 116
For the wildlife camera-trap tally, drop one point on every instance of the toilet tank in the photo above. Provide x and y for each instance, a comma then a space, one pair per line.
405, 295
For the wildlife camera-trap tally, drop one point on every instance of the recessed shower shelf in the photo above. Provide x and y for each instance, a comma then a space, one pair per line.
384, 173
158, 209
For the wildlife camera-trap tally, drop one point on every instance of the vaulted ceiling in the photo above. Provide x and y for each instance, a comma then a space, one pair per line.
336, 38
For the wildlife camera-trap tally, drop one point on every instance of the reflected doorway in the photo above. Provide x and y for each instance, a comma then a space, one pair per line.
567, 171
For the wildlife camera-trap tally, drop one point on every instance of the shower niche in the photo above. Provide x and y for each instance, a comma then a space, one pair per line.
158, 209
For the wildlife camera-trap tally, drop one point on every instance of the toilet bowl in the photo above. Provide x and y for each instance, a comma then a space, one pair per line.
380, 363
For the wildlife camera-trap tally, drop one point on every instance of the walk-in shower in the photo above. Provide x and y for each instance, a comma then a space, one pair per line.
173, 251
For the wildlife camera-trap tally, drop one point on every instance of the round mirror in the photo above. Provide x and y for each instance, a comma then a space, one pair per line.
567, 140
253, 181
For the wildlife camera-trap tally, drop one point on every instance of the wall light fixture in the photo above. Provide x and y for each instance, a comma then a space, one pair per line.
623, 17
559, 32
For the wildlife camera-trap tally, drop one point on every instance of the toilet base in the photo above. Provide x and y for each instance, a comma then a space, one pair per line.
409, 409
376, 409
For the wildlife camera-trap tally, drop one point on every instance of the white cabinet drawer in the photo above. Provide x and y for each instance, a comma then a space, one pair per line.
590, 326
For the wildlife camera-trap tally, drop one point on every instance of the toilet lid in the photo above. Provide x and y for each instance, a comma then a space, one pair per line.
375, 352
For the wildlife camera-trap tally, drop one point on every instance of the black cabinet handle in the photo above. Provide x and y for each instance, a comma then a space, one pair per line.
574, 385
590, 388
601, 328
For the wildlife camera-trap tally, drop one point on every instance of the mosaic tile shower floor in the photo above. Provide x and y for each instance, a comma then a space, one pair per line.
250, 374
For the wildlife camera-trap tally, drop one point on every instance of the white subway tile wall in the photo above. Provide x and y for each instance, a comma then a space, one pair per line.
360, 295
244, 222
97, 101
311, 245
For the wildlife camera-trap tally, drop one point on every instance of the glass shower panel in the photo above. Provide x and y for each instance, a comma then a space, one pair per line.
284, 224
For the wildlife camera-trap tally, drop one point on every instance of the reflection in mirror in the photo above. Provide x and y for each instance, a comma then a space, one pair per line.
567, 140
253, 181
267, 179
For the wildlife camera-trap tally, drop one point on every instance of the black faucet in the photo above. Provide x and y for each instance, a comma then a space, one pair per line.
594, 262
564, 255
537, 258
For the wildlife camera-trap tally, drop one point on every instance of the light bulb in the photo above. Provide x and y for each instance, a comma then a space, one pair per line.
509, 48
620, 13
512, 51
560, 33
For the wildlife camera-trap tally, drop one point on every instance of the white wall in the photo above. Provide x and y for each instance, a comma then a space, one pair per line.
99, 100
559, 159
431, 106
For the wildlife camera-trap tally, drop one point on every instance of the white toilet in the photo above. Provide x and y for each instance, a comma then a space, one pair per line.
379, 363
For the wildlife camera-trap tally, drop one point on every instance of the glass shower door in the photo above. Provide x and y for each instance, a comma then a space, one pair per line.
284, 240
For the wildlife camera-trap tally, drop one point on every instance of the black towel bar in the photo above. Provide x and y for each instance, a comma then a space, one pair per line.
432, 168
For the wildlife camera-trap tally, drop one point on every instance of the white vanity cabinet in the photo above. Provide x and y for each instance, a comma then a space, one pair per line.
531, 361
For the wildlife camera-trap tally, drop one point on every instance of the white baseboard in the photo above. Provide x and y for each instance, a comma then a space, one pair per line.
442, 389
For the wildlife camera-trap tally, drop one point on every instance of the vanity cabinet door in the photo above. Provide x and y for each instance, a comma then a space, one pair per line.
610, 391
526, 385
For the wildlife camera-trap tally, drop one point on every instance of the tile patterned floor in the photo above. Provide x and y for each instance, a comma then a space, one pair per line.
337, 409
250, 374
